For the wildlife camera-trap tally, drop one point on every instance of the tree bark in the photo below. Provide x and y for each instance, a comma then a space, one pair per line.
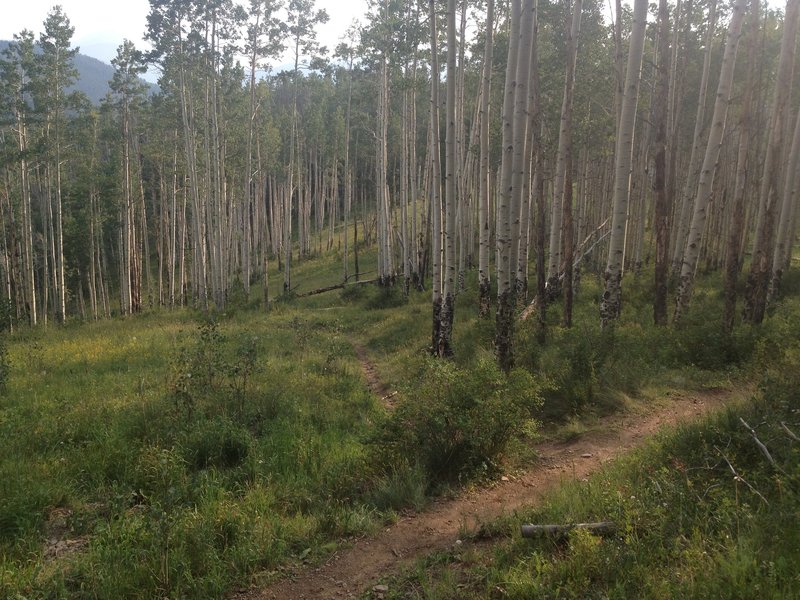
705, 186
661, 199
444, 347
763, 249
610, 304
504, 325
556, 264
484, 282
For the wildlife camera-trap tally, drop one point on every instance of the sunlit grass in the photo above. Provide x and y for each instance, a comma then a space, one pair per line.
186, 489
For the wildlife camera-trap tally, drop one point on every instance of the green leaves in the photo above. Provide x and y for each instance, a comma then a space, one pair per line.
458, 421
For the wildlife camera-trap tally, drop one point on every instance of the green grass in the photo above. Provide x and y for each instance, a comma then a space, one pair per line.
187, 457
688, 528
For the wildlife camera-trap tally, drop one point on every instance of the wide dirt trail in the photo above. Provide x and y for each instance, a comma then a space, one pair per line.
351, 571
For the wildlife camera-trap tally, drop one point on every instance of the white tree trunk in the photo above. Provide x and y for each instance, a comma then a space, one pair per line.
610, 303
705, 186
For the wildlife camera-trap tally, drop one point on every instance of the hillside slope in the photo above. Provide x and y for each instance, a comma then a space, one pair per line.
93, 75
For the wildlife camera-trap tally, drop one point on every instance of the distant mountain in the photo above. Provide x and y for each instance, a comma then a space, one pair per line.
93, 76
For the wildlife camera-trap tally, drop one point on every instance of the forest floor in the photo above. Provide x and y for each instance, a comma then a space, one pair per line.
355, 570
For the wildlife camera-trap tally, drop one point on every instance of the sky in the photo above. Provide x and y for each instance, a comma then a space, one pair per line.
101, 25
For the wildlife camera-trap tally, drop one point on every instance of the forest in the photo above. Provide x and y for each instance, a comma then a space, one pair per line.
258, 312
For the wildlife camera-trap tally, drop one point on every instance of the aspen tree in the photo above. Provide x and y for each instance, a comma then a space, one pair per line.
770, 189
484, 282
790, 194
521, 138
444, 346
661, 198
743, 172
18, 68
59, 72
435, 185
705, 185
610, 304
506, 303
555, 267
683, 211
125, 85
265, 39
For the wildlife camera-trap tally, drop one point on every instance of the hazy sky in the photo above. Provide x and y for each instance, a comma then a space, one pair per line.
101, 25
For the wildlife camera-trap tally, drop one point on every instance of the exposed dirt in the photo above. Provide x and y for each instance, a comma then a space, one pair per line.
59, 543
352, 571
374, 382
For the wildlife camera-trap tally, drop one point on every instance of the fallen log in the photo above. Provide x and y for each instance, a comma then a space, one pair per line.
533, 307
338, 286
536, 531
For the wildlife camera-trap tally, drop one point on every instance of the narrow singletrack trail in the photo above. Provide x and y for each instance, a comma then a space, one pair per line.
349, 572
374, 382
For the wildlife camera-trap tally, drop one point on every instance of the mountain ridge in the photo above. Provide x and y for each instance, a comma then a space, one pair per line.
94, 76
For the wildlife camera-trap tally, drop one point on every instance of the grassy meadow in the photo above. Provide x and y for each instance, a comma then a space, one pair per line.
184, 455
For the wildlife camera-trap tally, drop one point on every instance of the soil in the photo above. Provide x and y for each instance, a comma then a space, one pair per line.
350, 572
374, 382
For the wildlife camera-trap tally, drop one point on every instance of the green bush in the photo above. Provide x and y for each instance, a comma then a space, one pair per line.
384, 297
457, 422
705, 345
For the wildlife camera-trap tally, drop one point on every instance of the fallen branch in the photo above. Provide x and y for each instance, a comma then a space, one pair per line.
536, 531
338, 286
589, 237
761, 446
533, 306
737, 477
789, 432
388, 396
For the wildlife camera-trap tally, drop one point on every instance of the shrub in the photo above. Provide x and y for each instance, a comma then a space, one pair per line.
458, 421
207, 374
386, 296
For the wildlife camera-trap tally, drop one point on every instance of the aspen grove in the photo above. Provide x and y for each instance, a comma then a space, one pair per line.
521, 139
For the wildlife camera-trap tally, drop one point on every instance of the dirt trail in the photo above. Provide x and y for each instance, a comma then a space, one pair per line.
351, 571
374, 382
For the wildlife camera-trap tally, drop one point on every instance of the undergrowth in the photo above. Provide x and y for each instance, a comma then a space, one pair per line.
688, 526
184, 455
709, 510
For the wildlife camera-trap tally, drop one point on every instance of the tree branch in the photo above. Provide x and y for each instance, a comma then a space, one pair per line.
534, 531
789, 432
761, 446
737, 477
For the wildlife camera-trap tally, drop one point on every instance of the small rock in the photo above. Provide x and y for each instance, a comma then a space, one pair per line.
380, 589
504, 478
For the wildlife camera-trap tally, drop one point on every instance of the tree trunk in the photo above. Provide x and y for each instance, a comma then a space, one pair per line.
435, 184
661, 199
705, 186
505, 285
484, 282
611, 302
556, 265
763, 250
683, 217
444, 346
783, 245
